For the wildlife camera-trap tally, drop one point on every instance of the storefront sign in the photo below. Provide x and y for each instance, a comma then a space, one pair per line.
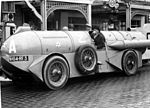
113, 3
75, 1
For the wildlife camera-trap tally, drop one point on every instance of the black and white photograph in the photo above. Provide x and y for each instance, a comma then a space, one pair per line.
74, 53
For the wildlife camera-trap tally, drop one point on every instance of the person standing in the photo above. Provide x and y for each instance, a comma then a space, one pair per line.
71, 27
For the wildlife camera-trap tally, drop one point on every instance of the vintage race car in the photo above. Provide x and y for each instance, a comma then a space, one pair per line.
55, 56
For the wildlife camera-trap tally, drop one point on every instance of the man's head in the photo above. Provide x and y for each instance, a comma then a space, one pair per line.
96, 30
71, 27
65, 28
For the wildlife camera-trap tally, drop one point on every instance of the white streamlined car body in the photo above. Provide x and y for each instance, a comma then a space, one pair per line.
55, 56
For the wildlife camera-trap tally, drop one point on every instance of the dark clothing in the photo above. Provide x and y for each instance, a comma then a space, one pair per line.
90, 32
99, 40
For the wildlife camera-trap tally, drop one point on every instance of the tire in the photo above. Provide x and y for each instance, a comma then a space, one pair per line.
86, 59
56, 72
130, 63
144, 62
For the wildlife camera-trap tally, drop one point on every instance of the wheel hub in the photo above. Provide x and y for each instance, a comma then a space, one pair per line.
87, 58
130, 64
56, 72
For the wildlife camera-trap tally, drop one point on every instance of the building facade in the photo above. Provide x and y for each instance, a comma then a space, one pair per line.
128, 14
56, 14
51, 14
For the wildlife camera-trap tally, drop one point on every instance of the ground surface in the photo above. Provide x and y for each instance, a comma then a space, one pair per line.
113, 90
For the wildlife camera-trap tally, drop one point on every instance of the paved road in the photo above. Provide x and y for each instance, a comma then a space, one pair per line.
113, 90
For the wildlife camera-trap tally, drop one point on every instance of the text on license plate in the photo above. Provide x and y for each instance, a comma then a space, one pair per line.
18, 58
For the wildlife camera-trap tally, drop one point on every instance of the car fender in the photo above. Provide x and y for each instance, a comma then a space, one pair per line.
116, 60
37, 66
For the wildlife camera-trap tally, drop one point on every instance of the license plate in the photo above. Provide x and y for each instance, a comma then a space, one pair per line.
18, 58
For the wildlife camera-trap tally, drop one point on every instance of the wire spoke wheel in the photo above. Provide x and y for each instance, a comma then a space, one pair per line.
86, 59
56, 72
130, 63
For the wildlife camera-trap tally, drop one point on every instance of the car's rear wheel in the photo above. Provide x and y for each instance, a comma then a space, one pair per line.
86, 59
130, 63
56, 72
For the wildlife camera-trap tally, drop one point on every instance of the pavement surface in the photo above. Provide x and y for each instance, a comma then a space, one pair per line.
112, 90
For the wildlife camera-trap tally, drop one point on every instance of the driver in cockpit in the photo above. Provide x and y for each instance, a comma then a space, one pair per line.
98, 38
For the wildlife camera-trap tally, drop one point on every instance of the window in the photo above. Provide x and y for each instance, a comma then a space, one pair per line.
8, 7
78, 22
135, 23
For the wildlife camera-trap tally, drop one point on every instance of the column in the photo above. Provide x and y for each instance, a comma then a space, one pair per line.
89, 12
142, 20
128, 16
0, 11
44, 14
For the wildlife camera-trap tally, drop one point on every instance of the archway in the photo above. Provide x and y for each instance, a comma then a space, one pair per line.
59, 18
59, 11
138, 18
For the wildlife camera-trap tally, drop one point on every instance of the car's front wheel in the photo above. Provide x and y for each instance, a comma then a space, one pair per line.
56, 72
